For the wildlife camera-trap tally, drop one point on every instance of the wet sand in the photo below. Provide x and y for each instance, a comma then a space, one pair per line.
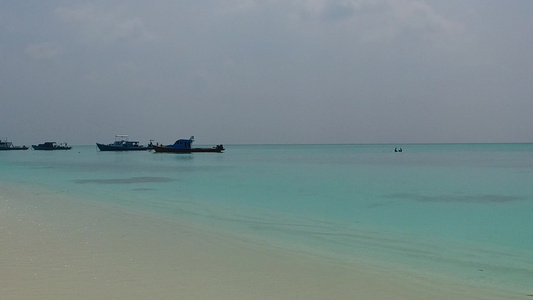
55, 247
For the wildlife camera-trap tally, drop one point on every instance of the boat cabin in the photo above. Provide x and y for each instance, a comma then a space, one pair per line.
49, 144
185, 144
126, 143
5, 144
122, 140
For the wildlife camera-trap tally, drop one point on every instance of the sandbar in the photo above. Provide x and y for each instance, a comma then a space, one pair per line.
53, 246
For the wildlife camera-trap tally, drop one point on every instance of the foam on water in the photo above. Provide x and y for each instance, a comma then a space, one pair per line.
458, 211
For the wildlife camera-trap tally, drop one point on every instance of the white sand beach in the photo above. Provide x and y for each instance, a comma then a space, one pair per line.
54, 247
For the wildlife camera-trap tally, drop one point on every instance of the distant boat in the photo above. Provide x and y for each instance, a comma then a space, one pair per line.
5, 145
51, 146
123, 144
185, 146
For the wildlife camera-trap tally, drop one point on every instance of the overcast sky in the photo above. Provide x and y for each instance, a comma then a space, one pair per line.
270, 71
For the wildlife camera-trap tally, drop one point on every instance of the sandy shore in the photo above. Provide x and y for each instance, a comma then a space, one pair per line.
54, 247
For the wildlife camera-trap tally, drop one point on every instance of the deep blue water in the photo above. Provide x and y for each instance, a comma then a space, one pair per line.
460, 211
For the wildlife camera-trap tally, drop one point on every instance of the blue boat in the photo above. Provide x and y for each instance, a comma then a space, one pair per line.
185, 146
123, 144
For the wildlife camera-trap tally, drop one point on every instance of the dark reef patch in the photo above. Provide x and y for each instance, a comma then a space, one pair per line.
130, 180
489, 198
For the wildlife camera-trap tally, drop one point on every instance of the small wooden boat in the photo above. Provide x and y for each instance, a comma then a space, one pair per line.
5, 145
185, 146
123, 144
51, 146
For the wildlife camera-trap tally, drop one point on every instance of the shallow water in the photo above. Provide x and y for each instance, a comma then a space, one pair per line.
456, 211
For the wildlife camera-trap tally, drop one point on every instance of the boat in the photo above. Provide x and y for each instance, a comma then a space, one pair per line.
5, 145
51, 146
185, 146
123, 144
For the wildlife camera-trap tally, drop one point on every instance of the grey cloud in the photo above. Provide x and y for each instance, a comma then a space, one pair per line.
104, 25
46, 50
338, 11
297, 71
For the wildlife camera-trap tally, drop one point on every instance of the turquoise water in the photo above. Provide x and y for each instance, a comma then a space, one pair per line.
456, 211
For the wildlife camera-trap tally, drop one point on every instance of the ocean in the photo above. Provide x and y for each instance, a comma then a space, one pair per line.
460, 212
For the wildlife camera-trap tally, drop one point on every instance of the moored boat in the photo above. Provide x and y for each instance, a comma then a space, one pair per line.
51, 146
123, 144
185, 146
5, 145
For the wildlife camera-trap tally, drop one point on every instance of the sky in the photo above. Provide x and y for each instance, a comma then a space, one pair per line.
267, 72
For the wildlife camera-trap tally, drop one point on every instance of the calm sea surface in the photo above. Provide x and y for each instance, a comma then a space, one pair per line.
457, 211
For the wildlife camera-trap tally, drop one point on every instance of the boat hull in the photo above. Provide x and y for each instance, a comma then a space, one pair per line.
14, 148
104, 147
165, 149
36, 147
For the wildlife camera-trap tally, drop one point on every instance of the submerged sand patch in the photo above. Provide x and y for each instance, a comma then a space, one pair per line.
53, 246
